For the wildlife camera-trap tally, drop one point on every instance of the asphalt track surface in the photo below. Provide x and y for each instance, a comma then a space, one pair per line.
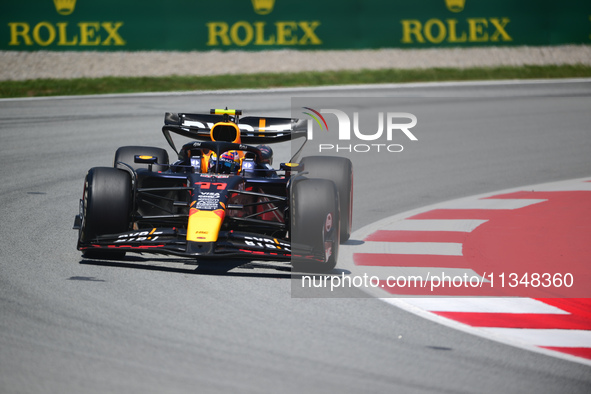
70, 325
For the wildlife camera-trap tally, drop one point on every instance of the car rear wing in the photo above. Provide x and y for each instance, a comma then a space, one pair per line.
253, 129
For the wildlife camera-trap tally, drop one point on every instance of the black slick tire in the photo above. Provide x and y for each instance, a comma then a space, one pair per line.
340, 171
315, 223
107, 204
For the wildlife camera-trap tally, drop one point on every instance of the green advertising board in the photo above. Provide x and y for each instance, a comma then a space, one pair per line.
187, 25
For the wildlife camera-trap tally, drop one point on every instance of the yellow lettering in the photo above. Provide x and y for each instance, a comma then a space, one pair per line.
285, 33
247, 29
428, 31
309, 35
436, 31
477, 26
451, 26
37, 33
19, 29
45, 33
218, 30
500, 26
243, 33
111, 28
63, 35
411, 27
88, 32
260, 35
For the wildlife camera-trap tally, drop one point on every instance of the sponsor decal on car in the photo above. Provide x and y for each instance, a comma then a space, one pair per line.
266, 243
328, 222
139, 236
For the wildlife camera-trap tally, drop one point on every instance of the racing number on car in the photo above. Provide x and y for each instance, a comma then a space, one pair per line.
208, 185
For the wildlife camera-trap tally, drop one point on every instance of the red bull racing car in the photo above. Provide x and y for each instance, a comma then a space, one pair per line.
222, 198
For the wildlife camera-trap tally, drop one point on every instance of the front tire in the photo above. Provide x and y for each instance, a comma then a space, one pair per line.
315, 225
340, 171
107, 204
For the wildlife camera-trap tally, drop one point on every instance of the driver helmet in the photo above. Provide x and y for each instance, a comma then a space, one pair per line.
267, 154
229, 163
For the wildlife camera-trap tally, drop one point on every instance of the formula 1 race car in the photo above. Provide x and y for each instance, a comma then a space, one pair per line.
221, 198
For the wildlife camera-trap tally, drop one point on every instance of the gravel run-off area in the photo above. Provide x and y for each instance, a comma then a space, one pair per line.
16, 65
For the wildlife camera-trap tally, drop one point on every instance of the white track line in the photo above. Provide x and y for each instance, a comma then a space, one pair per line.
545, 337
322, 89
491, 203
564, 187
484, 305
435, 225
430, 248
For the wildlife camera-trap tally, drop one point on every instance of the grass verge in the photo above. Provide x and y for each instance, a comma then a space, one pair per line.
84, 86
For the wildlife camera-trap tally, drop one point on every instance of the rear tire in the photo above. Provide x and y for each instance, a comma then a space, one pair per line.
107, 205
340, 171
315, 224
126, 154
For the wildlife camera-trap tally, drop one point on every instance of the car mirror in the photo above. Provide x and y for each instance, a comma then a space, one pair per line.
145, 159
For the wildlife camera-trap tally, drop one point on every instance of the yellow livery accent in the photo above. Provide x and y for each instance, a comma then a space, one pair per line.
204, 226
226, 111
225, 131
262, 125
